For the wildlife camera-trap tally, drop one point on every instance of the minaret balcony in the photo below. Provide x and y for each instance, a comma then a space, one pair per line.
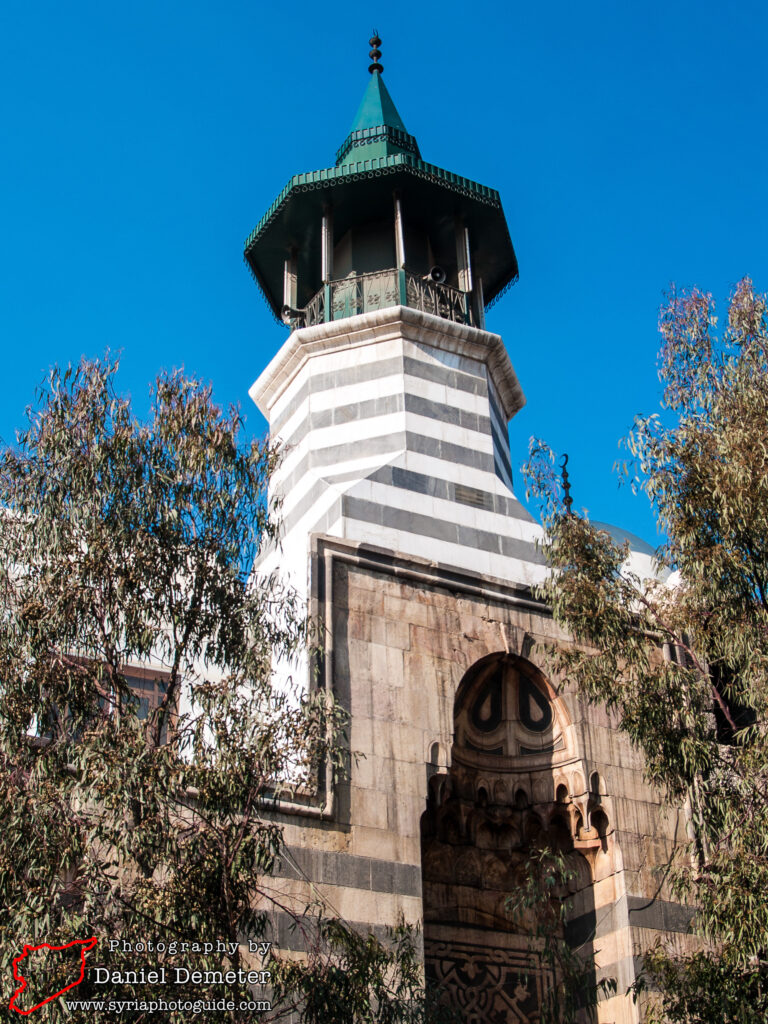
364, 293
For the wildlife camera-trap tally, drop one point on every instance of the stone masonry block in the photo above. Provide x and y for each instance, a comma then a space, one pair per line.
398, 634
358, 625
404, 610
370, 602
369, 807
384, 701
361, 733
431, 641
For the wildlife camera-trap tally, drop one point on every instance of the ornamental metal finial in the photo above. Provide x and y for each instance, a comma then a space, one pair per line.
375, 53
567, 500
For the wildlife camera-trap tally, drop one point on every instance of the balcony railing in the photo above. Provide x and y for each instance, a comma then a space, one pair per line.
365, 293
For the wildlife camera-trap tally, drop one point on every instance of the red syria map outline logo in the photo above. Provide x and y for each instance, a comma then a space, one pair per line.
87, 945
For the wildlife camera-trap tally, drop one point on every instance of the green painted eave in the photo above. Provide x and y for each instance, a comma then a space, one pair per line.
374, 167
375, 143
352, 188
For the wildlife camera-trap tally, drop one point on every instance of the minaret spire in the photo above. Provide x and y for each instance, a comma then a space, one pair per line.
374, 42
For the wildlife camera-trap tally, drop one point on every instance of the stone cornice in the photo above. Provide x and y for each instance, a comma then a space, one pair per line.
387, 325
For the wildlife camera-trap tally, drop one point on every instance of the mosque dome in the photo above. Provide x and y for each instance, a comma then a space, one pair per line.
642, 555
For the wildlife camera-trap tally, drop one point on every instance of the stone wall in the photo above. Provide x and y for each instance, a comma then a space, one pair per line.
400, 636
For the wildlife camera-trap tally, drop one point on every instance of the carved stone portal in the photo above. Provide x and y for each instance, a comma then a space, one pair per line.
516, 784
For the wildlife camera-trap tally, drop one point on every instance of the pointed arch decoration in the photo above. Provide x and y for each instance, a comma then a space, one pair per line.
516, 783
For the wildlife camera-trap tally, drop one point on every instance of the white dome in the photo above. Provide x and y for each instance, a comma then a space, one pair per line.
642, 557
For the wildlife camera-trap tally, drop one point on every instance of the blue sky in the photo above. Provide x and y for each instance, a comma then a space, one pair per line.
142, 142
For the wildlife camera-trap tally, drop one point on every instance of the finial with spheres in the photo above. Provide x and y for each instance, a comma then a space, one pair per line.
567, 500
375, 53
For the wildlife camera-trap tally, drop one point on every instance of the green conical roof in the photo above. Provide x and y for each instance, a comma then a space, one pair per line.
377, 126
377, 107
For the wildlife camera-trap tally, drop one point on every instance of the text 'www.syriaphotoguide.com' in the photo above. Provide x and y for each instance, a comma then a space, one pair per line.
164, 1005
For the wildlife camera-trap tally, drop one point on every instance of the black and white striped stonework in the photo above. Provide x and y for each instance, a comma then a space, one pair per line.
393, 426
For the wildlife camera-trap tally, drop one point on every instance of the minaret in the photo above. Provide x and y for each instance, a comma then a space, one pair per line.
390, 397
391, 400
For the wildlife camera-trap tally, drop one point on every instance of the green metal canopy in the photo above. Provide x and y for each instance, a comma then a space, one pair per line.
377, 158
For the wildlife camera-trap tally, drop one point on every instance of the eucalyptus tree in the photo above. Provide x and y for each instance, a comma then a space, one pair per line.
698, 713
143, 745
